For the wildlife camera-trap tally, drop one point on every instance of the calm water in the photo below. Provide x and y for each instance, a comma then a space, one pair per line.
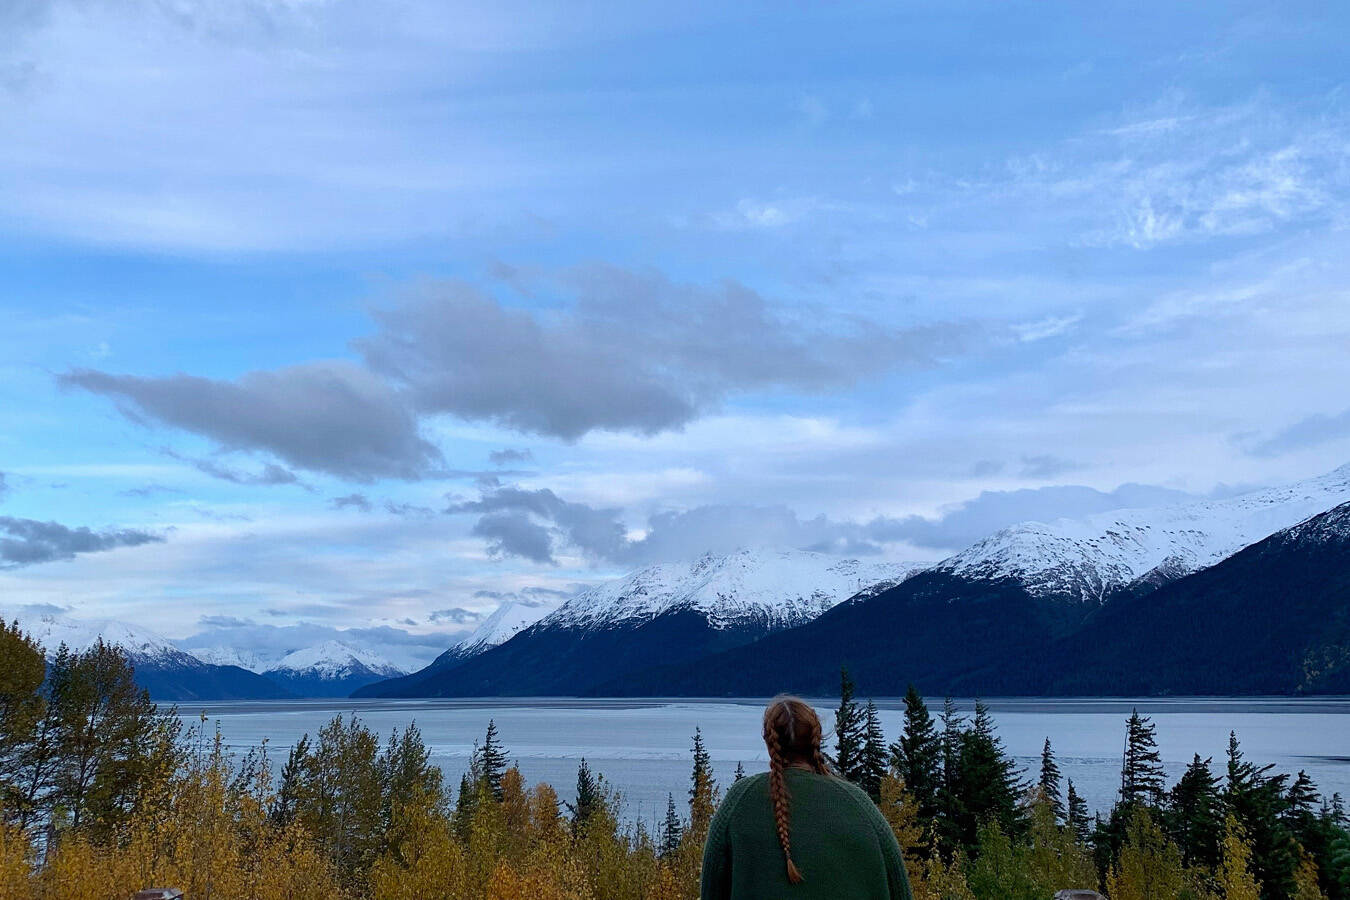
642, 746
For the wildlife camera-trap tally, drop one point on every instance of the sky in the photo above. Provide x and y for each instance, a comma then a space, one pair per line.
360, 317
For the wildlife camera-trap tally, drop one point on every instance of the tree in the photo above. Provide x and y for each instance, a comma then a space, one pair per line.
951, 802
1142, 778
872, 765
702, 788
1149, 866
848, 731
590, 799
25, 729
1195, 814
917, 755
740, 772
492, 761
987, 785
1079, 823
672, 829
1235, 878
1257, 801
1050, 781
111, 744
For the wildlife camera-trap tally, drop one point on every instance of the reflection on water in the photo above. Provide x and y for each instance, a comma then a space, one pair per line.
642, 746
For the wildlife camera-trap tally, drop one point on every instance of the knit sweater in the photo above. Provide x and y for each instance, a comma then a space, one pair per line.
840, 843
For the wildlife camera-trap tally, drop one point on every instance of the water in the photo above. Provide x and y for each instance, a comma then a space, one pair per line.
642, 746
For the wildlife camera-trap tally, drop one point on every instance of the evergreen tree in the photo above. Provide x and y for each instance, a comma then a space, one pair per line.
492, 761
1195, 814
291, 786
740, 772
1078, 815
1257, 801
988, 785
1142, 778
702, 788
464, 806
672, 829
950, 800
1050, 781
918, 755
848, 732
872, 767
590, 799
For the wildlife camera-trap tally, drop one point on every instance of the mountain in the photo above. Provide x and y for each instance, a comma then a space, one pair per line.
1003, 602
330, 669
663, 614
160, 667
1272, 619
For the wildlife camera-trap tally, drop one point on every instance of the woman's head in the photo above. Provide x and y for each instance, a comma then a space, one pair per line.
792, 734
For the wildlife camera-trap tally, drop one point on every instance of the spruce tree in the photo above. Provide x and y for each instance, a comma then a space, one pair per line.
492, 761
872, 766
950, 800
1142, 778
848, 732
464, 806
1050, 781
1195, 814
702, 788
988, 785
740, 771
1078, 815
589, 798
1257, 801
918, 755
672, 829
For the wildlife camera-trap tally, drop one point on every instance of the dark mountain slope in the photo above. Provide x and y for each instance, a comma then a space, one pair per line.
1271, 619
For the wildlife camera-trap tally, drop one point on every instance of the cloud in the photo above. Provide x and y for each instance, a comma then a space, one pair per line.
510, 455
332, 417
636, 352
271, 474
407, 649
1045, 465
149, 490
537, 525
29, 541
355, 501
224, 622
1307, 432
456, 614
518, 522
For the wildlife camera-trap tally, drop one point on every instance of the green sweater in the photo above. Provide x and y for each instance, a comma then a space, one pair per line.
840, 843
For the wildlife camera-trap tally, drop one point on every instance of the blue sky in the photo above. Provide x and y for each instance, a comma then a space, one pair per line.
355, 315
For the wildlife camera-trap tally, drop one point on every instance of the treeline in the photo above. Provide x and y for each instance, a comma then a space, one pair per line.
102, 794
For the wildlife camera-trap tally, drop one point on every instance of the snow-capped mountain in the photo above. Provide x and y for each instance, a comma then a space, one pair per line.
658, 616
163, 669
509, 619
1089, 559
330, 669
769, 588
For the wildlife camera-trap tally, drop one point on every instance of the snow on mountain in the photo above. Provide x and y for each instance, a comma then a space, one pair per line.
772, 588
232, 656
334, 660
1087, 559
506, 621
141, 645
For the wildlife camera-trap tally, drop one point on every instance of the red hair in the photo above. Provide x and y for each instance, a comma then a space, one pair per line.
792, 734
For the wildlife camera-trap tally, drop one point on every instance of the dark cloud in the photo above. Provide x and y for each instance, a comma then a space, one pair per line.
509, 455
271, 474
635, 352
27, 541
1309, 432
518, 522
355, 501
456, 614
332, 417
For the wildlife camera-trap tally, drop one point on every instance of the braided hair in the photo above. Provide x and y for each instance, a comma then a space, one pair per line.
792, 734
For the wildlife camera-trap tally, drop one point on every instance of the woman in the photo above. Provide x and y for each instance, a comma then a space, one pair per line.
798, 831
